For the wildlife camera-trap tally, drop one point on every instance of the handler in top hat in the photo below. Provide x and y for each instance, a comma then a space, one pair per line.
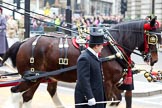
89, 87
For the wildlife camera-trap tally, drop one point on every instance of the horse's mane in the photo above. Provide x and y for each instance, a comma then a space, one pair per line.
129, 34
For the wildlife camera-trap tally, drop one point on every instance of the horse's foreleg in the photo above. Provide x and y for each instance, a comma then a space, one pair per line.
15, 101
108, 90
28, 95
112, 93
128, 98
51, 88
116, 94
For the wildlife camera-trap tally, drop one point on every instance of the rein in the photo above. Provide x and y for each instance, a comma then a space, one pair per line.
131, 51
40, 74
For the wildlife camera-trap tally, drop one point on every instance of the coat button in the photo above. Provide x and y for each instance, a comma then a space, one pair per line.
85, 97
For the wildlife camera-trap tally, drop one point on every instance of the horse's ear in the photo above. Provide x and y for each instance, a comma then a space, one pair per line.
153, 21
149, 17
155, 17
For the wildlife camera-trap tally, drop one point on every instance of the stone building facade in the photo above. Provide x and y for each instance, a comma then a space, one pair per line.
136, 9
142, 8
94, 7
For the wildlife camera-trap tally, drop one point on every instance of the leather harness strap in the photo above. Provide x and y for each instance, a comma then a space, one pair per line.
61, 50
65, 51
40, 74
32, 69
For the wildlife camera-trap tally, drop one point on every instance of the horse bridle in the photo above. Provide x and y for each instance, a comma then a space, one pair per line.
150, 39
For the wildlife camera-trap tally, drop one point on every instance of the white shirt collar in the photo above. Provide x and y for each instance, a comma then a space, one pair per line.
92, 51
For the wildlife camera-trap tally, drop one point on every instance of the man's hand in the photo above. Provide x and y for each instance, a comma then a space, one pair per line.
91, 102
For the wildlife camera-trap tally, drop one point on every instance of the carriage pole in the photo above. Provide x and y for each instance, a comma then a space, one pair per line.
1, 59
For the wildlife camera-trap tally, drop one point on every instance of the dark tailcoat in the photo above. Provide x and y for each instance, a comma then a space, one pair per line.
89, 80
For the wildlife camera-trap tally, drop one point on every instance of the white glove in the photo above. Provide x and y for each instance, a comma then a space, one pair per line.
91, 102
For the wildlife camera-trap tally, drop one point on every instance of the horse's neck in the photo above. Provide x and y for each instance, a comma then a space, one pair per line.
129, 35
127, 43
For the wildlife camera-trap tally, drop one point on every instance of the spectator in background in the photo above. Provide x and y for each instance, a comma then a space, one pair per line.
3, 39
57, 23
34, 24
21, 28
96, 22
63, 24
37, 25
12, 27
47, 10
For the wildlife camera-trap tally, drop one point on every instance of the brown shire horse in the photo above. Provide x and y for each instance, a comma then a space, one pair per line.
47, 53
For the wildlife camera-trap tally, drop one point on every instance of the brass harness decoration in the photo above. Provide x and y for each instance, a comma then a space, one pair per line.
152, 39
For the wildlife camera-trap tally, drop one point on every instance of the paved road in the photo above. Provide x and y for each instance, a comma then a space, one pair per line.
139, 61
42, 99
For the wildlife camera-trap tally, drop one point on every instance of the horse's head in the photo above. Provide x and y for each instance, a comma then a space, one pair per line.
141, 34
151, 39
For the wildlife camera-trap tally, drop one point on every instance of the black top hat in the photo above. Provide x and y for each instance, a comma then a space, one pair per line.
96, 38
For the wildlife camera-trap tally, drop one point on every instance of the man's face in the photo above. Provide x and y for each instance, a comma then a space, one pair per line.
98, 48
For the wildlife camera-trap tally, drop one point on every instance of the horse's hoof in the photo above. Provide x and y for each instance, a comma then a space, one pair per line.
117, 103
113, 104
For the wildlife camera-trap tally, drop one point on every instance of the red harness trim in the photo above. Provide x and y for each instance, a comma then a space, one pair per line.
74, 43
148, 27
128, 78
146, 46
129, 67
9, 84
16, 83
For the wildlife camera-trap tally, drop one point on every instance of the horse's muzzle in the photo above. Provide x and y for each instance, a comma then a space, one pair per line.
153, 62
